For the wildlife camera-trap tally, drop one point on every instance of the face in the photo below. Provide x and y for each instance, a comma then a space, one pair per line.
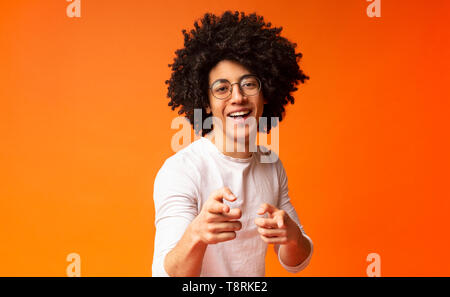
236, 111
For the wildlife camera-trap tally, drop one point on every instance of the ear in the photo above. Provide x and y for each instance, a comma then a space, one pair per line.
208, 109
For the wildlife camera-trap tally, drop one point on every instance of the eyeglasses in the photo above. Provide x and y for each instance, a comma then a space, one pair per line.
249, 85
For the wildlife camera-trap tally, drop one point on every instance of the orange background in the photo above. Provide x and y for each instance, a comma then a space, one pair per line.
85, 126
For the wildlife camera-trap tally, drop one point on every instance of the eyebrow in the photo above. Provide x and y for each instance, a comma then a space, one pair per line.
226, 80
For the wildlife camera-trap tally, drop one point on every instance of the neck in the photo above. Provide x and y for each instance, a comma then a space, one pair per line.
234, 148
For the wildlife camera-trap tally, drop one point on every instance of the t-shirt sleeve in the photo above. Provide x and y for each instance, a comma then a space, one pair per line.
175, 198
286, 205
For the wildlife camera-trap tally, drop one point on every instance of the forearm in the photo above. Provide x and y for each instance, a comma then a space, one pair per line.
295, 252
185, 259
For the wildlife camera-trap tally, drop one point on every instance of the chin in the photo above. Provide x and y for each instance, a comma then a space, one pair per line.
241, 134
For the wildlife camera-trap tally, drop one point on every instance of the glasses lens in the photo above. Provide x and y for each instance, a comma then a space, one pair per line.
221, 89
250, 85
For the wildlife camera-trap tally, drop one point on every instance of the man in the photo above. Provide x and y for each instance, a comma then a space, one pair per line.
217, 206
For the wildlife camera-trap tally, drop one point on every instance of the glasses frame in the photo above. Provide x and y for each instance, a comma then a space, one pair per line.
239, 84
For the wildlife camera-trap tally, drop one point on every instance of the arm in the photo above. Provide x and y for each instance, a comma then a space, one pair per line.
295, 255
185, 259
297, 251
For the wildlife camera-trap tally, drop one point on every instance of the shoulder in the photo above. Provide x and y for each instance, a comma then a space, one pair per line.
178, 180
270, 160
268, 157
183, 164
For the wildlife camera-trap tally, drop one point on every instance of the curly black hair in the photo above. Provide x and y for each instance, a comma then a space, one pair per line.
246, 39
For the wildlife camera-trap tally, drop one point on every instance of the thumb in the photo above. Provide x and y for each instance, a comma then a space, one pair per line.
265, 207
280, 222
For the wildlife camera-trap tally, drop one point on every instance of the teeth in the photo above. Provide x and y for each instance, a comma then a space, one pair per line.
239, 113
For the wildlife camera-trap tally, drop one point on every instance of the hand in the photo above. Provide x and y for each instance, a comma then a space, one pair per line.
216, 222
278, 228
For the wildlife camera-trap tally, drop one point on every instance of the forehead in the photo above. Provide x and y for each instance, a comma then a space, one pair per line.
229, 70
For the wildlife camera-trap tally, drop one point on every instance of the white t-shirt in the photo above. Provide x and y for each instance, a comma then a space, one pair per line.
185, 182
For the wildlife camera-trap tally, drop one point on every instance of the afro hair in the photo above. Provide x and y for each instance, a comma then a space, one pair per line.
246, 39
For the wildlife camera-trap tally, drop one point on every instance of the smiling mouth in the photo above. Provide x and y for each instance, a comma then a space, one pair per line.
239, 114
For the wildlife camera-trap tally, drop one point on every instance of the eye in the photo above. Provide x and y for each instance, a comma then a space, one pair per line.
250, 83
221, 88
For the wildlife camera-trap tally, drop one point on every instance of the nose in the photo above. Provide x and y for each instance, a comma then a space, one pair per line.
236, 95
